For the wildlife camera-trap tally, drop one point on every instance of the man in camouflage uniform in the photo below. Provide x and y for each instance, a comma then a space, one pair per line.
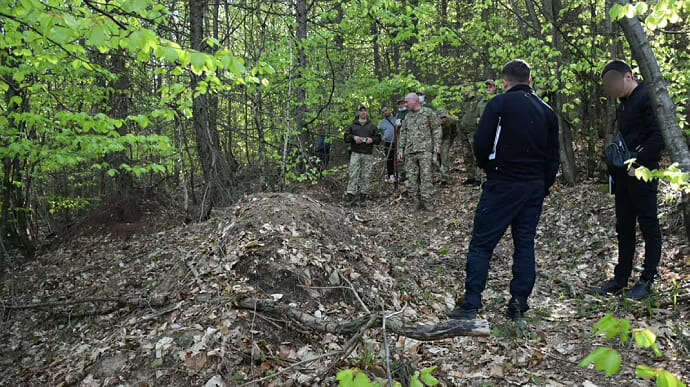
420, 138
449, 129
470, 120
362, 135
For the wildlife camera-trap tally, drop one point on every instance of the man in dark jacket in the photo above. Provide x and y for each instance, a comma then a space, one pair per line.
517, 145
362, 135
635, 199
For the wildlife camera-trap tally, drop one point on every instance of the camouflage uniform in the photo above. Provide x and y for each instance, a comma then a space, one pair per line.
469, 125
359, 172
419, 135
449, 130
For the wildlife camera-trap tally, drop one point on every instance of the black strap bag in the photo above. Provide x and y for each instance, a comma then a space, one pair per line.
617, 153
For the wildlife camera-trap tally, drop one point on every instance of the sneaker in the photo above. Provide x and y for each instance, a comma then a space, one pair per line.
640, 291
516, 309
391, 179
609, 287
462, 314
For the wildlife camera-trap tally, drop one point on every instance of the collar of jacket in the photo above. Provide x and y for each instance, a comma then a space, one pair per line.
362, 124
635, 91
520, 87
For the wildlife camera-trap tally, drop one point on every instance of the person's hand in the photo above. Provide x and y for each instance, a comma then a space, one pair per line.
477, 120
437, 149
358, 139
631, 172
370, 140
400, 156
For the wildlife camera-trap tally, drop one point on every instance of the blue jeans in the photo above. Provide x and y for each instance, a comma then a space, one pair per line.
503, 204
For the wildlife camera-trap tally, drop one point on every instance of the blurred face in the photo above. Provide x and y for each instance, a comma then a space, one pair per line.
363, 114
491, 89
387, 113
444, 120
412, 103
615, 83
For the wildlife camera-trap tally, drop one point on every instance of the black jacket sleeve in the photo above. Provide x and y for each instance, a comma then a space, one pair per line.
651, 139
554, 155
486, 133
375, 135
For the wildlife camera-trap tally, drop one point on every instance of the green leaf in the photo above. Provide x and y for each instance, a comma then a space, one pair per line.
198, 61
644, 338
414, 380
667, 379
427, 378
604, 359
642, 371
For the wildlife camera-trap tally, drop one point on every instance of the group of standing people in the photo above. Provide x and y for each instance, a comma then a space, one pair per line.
515, 140
418, 136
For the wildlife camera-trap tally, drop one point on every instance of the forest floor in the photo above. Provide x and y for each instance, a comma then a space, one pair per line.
163, 305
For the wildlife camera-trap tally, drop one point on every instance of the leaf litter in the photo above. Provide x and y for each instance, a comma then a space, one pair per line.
172, 318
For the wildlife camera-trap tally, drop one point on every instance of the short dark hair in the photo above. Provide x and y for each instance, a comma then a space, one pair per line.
616, 65
516, 70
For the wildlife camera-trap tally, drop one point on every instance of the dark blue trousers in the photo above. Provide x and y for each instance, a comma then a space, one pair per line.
503, 204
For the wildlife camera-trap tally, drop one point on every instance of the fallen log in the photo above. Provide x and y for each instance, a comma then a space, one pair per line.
430, 332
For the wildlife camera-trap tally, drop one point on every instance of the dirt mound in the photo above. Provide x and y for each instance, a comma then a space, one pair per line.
159, 306
295, 245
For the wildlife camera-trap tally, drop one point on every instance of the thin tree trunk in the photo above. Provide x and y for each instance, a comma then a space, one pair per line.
552, 9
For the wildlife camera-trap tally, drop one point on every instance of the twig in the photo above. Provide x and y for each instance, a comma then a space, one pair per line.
273, 376
385, 342
364, 306
251, 330
67, 303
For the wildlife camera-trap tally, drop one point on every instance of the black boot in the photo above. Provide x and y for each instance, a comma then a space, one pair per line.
609, 287
516, 309
462, 314
640, 291
363, 200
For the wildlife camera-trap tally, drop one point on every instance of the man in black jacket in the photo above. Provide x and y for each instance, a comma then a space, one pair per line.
362, 135
635, 199
517, 145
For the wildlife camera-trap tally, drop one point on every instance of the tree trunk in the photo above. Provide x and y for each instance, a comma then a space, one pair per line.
216, 170
301, 17
662, 103
552, 9
123, 182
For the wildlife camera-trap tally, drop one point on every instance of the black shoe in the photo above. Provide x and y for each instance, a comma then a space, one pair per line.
609, 287
463, 314
516, 309
474, 182
363, 200
640, 291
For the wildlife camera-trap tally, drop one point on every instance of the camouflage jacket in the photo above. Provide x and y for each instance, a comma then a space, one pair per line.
420, 132
475, 109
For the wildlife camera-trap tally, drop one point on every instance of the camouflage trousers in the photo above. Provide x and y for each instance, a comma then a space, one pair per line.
359, 173
446, 144
419, 179
466, 141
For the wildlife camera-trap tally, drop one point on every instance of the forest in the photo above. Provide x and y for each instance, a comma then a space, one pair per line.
165, 217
